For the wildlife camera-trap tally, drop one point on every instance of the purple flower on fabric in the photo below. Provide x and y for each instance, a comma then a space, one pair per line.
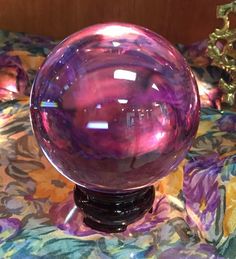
192, 252
201, 190
8, 228
227, 123
160, 213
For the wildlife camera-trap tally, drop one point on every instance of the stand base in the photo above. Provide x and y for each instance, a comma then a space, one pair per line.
112, 213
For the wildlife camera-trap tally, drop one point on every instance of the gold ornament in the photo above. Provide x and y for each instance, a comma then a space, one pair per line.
222, 50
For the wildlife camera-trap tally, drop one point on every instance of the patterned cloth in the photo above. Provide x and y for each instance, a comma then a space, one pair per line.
194, 214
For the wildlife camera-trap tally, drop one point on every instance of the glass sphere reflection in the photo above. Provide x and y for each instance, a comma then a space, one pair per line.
114, 107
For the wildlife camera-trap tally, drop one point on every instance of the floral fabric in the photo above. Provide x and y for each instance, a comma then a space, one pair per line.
194, 213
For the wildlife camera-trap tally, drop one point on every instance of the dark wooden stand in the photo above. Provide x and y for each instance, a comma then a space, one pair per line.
113, 212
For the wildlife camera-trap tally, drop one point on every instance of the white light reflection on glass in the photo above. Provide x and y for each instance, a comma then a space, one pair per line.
154, 86
125, 74
116, 43
160, 135
123, 101
66, 87
98, 106
115, 31
11, 88
70, 214
176, 201
97, 125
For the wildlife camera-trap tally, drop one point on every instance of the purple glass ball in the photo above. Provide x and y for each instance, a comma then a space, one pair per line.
114, 107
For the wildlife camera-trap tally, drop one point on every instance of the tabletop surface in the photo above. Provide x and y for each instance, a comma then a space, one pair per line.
195, 208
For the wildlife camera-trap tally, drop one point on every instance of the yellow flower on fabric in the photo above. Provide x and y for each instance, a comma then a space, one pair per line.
229, 223
28, 60
172, 183
204, 127
50, 184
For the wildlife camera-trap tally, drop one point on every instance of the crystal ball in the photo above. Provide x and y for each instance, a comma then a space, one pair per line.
114, 107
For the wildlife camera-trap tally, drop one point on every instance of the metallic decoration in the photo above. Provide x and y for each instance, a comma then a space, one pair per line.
222, 50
